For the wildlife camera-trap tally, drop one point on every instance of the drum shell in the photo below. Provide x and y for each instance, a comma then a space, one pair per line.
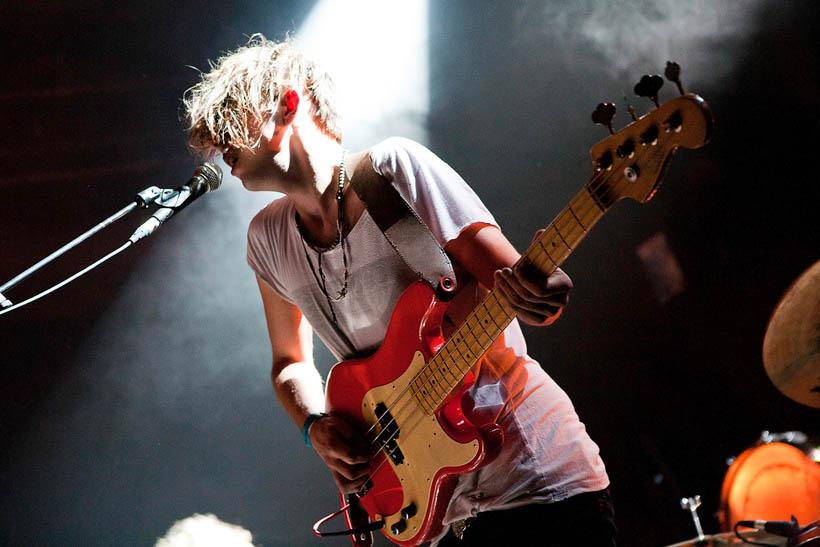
770, 482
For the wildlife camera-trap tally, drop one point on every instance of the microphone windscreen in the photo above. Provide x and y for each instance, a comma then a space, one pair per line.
211, 174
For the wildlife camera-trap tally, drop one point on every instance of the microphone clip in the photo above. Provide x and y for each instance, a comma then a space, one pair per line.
149, 195
163, 197
173, 199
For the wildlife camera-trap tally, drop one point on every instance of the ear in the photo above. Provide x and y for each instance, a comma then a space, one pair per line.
289, 105
287, 109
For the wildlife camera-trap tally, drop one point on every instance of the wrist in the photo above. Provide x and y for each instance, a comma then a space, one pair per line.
549, 320
306, 426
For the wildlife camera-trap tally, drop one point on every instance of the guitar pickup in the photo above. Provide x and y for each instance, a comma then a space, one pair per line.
389, 433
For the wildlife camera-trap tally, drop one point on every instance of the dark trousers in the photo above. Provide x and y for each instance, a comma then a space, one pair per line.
586, 519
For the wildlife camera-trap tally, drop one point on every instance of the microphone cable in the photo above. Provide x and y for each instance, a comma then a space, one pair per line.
68, 280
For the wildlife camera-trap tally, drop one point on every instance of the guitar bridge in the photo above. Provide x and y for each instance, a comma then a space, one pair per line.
389, 433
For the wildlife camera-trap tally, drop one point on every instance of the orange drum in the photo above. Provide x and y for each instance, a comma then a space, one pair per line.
770, 482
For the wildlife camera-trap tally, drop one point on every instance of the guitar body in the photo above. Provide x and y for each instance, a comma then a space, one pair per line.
416, 470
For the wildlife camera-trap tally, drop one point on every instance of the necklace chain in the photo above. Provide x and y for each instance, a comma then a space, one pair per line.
321, 280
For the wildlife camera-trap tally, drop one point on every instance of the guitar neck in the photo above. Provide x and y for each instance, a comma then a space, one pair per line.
489, 319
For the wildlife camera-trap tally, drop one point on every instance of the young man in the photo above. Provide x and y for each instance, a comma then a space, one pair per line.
323, 266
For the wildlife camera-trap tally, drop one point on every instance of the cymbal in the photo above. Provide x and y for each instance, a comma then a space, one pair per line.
791, 347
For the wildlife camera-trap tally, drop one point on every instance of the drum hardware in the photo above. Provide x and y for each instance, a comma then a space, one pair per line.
796, 535
809, 445
746, 539
809, 536
691, 505
797, 438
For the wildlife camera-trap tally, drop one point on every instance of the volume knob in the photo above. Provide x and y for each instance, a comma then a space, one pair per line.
398, 528
409, 511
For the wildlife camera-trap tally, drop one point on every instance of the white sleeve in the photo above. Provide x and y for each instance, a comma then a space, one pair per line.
433, 189
268, 247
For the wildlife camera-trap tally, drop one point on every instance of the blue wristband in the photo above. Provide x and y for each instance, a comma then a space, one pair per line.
306, 427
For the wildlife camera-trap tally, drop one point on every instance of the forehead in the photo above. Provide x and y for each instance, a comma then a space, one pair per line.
240, 135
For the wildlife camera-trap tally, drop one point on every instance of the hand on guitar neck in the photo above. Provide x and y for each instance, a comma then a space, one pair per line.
535, 299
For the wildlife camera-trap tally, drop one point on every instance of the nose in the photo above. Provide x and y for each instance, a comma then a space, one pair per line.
230, 157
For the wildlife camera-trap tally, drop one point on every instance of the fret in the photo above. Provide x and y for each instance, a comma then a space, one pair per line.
471, 323
453, 361
586, 209
448, 367
420, 394
467, 334
488, 314
431, 383
485, 323
547, 254
452, 365
595, 199
446, 382
562, 250
487, 317
554, 226
482, 339
463, 352
418, 385
438, 390
568, 228
438, 385
600, 191
428, 394
466, 358
499, 310
578, 220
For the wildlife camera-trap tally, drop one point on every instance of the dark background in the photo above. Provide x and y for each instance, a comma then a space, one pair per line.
140, 395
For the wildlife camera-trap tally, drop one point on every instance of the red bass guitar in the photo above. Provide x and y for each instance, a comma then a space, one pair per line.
407, 396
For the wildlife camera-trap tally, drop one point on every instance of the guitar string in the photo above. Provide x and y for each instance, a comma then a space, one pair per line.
601, 176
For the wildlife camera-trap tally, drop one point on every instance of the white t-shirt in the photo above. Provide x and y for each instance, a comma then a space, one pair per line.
547, 455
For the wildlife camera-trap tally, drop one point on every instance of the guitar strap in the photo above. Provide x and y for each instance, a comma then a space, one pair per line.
401, 226
415, 244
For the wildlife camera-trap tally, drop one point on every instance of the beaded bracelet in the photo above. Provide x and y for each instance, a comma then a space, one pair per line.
306, 427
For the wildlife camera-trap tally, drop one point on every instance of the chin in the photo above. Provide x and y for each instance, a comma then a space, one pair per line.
249, 185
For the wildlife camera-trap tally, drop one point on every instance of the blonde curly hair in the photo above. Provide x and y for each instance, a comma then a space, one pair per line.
242, 89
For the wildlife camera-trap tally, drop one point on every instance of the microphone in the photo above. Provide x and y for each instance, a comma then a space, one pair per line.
206, 178
782, 528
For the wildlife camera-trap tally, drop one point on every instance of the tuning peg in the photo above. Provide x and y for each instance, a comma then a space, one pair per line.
603, 115
672, 74
630, 109
649, 87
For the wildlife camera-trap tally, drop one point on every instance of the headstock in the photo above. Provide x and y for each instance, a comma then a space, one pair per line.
630, 163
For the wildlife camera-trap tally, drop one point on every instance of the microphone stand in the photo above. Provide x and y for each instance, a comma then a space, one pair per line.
149, 195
